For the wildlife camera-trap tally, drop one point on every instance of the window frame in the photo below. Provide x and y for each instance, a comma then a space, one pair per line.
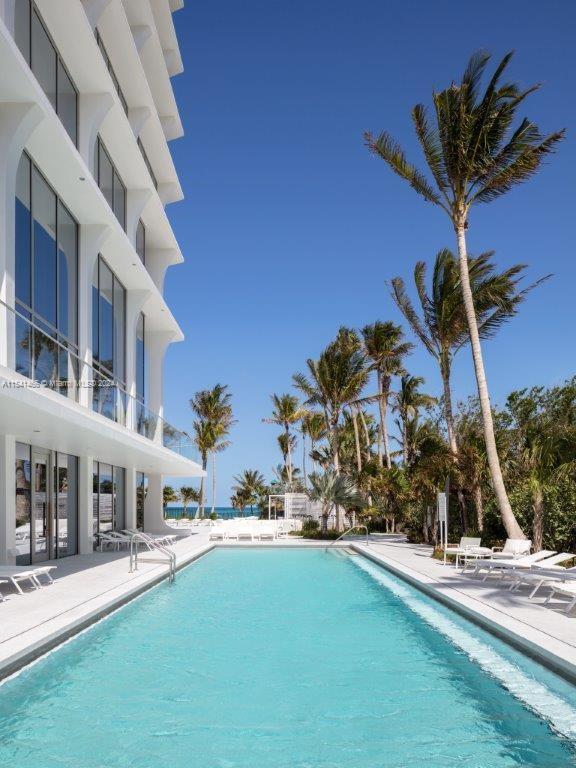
99, 147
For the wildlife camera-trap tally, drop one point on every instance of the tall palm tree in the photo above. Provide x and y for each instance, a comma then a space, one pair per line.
203, 438
333, 490
188, 495
385, 348
408, 401
314, 426
442, 325
249, 486
336, 379
475, 154
286, 413
214, 409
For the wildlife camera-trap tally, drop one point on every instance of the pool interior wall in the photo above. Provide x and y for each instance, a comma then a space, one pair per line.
286, 657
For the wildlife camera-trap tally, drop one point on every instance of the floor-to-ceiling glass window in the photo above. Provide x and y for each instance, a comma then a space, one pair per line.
23, 503
109, 343
141, 241
141, 492
108, 499
146, 422
109, 181
46, 504
43, 58
46, 283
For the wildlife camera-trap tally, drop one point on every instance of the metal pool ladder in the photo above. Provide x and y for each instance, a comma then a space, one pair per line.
354, 527
165, 555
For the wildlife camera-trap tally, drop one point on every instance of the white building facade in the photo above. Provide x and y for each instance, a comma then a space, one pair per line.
86, 111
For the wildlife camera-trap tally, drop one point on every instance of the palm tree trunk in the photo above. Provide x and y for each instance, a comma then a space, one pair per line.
510, 523
538, 519
200, 510
213, 483
383, 416
366, 433
453, 443
478, 506
356, 439
288, 455
336, 458
304, 459
381, 429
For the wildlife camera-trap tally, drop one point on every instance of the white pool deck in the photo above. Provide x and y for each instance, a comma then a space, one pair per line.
87, 587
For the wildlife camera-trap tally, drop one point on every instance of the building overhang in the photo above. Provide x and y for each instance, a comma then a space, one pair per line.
41, 417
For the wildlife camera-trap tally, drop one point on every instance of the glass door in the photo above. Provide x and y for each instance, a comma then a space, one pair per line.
42, 519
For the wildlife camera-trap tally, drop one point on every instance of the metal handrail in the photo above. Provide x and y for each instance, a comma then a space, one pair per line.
354, 527
151, 544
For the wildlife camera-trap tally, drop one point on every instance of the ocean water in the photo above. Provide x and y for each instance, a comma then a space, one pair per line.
286, 659
225, 513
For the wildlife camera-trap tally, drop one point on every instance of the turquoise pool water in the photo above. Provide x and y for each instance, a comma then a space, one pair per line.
285, 659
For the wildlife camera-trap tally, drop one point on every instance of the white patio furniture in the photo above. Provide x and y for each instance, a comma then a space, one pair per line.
544, 574
14, 574
466, 544
503, 567
512, 548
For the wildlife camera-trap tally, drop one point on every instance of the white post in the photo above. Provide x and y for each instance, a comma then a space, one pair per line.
85, 503
7, 498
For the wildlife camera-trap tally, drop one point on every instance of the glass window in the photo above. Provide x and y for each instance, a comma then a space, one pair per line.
67, 273
66, 487
106, 318
43, 59
23, 233
95, 311
23, 503
141, 491
67, 102
119, 499
22, 27
95, 505
105, 175
119, 330
105, 500
141, 241
119, 200
44, 211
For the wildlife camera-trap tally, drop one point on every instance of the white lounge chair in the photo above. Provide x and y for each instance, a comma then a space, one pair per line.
512, 548
545, 573
217, 534
245, 534
17, 573
268, 534
568, 589
109, 540
507, 566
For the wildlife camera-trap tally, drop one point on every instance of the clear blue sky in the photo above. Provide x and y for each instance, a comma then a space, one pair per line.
290, 228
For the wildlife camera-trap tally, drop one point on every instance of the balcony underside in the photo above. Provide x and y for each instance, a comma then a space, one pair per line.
45, 418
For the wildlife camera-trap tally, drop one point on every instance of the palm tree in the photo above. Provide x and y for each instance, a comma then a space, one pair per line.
286, 412
203, 439
188, 495
168, 495
249, 486
314, 426
408, 401
214, 409
385, 347
336, 379
474, 155
333, 490
442, 326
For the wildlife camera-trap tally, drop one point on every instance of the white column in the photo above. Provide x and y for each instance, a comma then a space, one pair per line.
93, 108
136, 201
156, 345
130, 497
17, 123
7, 498
157, 262
85, 524
94, 10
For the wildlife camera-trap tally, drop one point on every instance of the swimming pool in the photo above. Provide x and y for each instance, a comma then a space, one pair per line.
286, 658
